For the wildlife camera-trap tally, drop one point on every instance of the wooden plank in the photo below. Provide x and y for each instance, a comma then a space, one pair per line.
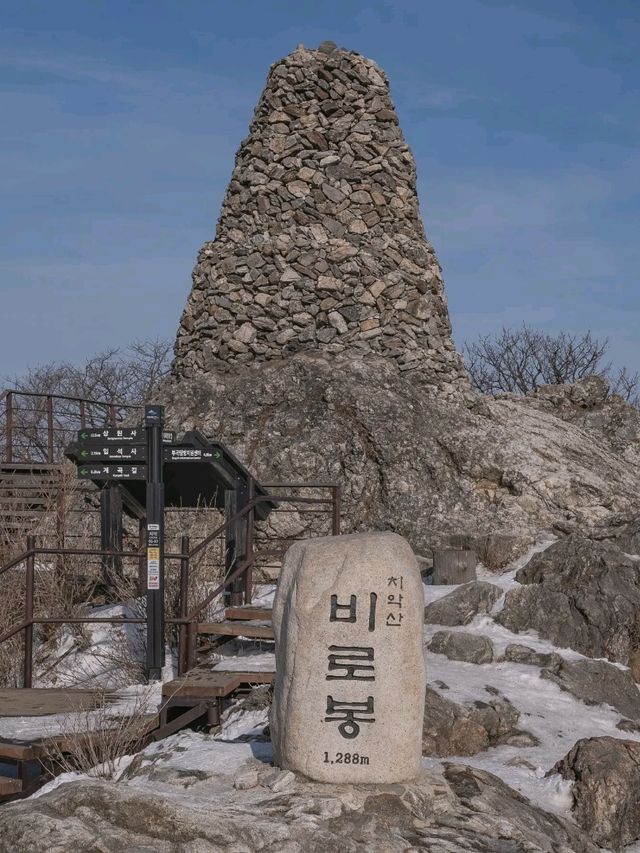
44, 701
199, 684
237, 629
19, 751
67, 742
247, 613
9, 786
180, 722
256, 677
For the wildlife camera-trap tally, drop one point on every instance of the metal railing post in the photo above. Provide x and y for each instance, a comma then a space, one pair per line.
142, 560
49, 428
337, 510
28, 613
9, 418
191, 644
183, 651
248, 575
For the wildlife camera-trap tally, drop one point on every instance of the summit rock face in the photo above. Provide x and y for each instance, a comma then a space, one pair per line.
320, 244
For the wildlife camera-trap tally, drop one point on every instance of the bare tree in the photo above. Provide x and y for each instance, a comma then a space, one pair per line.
626, 385
519, 360
113, 376
116, 378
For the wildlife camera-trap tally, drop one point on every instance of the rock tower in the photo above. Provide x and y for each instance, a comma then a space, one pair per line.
320, 244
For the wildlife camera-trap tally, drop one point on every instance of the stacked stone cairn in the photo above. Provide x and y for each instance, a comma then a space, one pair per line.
320, 244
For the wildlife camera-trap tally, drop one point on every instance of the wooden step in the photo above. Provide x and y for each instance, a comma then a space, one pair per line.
19, 750
248, 612
200, 683
237, 629
9, 786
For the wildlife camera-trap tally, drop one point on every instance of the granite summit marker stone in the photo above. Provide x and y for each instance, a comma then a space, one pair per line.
350, 684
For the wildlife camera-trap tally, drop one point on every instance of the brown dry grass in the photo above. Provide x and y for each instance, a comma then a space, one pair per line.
94, 740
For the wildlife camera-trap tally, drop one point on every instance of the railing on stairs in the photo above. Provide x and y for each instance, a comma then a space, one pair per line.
188, 618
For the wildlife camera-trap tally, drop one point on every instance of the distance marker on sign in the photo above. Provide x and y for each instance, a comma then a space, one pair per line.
112, 472
130, 435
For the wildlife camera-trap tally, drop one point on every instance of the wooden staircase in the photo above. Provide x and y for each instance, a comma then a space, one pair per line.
203, 689
29, 492
254, 623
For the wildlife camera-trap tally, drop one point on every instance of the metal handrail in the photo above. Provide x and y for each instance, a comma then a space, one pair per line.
88, 400
187, 621
43, 433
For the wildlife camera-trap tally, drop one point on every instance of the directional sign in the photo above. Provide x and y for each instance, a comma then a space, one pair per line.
112, 472
118, 435
189, 454
111, 453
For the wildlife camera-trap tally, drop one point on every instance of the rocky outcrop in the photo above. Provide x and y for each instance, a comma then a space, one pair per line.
320, 244
457, 645
595, 681
453, 729
460, 606
579, 594
516, 653
606, 793
419, 466
465, 809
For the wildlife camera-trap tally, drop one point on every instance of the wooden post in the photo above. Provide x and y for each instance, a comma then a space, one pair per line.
454, 566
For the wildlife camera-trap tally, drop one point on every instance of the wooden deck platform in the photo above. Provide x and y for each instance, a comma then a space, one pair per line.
45, 701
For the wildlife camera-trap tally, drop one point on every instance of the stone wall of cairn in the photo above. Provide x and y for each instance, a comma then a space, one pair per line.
320, 244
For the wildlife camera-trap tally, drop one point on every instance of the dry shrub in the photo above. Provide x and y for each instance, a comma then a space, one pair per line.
94, 740
65, 586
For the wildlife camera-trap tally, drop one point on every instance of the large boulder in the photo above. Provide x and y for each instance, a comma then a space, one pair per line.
579, 594
420, 466
458, 645
606, 793
518, 653
595, 681
316, 339
460, 606
465, 809
453, 729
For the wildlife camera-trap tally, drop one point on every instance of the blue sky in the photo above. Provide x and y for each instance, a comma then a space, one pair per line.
120, 121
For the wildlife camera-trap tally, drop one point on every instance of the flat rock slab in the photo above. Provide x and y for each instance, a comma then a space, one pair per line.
466, 809
460, 606
458, 645
596, 681
350, 684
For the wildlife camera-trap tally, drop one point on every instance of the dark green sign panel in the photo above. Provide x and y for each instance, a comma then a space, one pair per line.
111, 453
112, 472
120, 435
